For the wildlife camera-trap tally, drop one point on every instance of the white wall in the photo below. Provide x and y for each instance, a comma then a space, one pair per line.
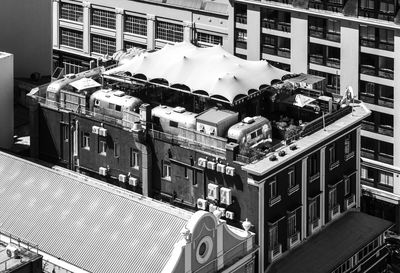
6, 100
26, 33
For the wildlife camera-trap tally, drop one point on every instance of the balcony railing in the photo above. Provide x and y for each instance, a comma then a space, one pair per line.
275, 252
284, 52
371, 70
350, 202
269, 49
314, 225
241, 18
333, 62
334, 212
274, 200
386, 130
377, 44
294, 239
241, 44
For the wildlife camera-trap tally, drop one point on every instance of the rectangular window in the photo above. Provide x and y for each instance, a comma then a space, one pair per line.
71, 38
347, 145
134, 159
65, 132
332, 154
291, 178
166, 170
386, 178
272, 188
103, 18
313, 164
128, 45
71, 12
347, 185
116, 149
186, 172
292, 225
313, 210
103, 45
332, 198
209, 39
273, 237
136, 25
241, 38
102, 147
86, 141
169, 31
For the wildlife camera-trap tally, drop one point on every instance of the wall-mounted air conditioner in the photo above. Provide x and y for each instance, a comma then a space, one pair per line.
103, 171
226, 196
213, 191
102, 131
133, 181
201, 204
230, 170
221, 168
122, 178
229, 215
211, 165
202, 162
95, 130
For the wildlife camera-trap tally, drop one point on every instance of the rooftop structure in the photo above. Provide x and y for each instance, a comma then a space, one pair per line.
6, 98
85, 225
15, 259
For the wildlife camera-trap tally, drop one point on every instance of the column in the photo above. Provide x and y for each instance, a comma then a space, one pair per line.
304, 199
228, 43
396, 116
299, 43
349, 56
253, 33
86, 27
187, 31
261, 226
119, 28
322, 186
358, 166
151, 31
56, 23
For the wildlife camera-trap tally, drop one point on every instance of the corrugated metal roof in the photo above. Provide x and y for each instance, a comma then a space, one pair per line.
86, 223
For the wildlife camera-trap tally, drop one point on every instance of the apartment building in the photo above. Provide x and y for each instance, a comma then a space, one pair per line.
350, 43
292, 173
85, 31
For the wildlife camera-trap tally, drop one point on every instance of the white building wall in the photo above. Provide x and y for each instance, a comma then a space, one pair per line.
26, 32
6, 100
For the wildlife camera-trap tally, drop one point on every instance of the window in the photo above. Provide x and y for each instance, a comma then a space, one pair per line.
185, 172
347, 185
386, 178
166, 170
332, 154
209, 38
386, 148
313, 211
272, 188
85, 141
273, 237
103, 45
134, 159
291, 178
313, 165
292, 225
102, 147
71, 38
347, 144
241, 38
128, 45
367, 4
367, 173
103, 18
71, 12
116, 149
65, 132
332, 198
169, 31
136, 25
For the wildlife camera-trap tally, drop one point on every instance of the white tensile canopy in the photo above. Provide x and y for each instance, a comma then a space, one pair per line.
298, 100
209, 70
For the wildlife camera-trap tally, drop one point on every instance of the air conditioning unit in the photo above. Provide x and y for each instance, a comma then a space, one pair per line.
202, 162
211, 165
201, 204
213, 191
102, 131
133, 181
230, 170
229, 215
103, 171
95, 130
13, 251
221, 168
226, 196
122, 178
212, 208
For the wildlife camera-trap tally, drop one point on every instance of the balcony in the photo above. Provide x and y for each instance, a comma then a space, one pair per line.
386, 130
349, 156
385, 73
241, 18
269, 49
317, 59
314, 225
350, 202
294, 239
388, 159
275, 252
293, 189
284, 52
377, 44
333, 62
371, 70
241, 44
283, 26
334, 212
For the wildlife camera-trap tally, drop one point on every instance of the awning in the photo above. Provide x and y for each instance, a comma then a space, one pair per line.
298, 100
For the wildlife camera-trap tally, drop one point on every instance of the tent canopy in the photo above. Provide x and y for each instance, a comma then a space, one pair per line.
210, 70
298, 100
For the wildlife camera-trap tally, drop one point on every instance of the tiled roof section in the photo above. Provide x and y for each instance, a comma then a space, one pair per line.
88, 225
333, 245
